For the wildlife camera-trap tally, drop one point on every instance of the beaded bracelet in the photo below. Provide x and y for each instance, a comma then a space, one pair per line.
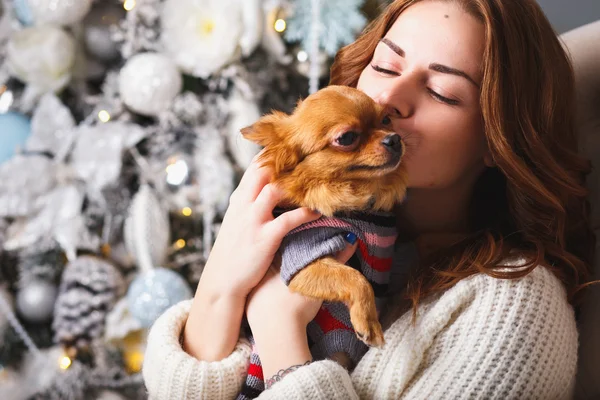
282, 373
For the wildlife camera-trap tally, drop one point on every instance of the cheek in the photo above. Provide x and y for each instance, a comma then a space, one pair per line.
364, 84
441, 150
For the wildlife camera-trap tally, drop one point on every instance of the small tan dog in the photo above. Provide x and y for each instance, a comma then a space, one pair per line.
336, 154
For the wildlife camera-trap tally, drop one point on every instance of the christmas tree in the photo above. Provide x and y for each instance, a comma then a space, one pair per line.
119, 149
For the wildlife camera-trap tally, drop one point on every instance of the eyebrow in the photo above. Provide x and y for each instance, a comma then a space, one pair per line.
444, 69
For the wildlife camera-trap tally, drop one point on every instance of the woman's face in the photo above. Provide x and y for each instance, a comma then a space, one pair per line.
427, 70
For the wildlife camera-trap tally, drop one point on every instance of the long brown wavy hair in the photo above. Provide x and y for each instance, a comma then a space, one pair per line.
534, 200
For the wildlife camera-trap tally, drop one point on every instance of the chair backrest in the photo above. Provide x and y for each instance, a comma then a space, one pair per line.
583, 44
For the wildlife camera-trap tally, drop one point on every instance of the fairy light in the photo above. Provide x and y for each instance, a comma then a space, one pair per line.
186, 211
128, 5
180, 244
177, 172
280, 25
103, 116
64, 362
302, 56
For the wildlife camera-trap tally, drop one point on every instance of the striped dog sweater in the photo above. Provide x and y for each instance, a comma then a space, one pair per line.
331, 330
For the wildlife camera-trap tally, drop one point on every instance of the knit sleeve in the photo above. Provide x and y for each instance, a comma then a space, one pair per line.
490, 339
320, 380
170, 373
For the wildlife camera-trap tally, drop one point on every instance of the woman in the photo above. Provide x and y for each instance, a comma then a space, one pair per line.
482, 93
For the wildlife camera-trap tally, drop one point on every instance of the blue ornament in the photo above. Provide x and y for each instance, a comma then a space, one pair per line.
153, 292
23, 12
15, 128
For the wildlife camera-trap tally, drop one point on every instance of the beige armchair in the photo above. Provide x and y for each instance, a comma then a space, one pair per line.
584, 46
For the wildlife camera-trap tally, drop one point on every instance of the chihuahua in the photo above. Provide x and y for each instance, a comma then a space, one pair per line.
337, 154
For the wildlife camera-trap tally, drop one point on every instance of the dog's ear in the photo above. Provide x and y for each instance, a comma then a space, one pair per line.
266, 130
273, 133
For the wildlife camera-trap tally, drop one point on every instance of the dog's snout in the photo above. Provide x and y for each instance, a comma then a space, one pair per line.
393, 143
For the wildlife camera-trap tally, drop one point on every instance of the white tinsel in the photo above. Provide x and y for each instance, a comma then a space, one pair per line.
23, 181
97, 155
341, 21
51, 126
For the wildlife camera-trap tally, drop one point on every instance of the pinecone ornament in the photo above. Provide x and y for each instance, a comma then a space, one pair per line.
88, 289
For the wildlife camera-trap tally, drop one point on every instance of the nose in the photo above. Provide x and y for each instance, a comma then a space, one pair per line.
398, 97
393, 144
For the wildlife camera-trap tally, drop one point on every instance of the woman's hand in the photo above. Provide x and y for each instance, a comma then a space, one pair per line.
278, 320
249, 235
244, 249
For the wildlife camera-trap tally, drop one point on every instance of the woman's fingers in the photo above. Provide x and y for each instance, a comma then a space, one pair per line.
290, 220
344, 255
254, 180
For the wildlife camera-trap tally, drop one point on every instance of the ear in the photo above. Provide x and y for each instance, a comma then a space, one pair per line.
488, 160
266, 130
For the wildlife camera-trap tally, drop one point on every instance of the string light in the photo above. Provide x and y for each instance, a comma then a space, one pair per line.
186, 211
180, 244
64, 362
128, 5
177, 172
280, 25
104, 116
302, 56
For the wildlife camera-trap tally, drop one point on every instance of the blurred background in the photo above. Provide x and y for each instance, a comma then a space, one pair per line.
119, 149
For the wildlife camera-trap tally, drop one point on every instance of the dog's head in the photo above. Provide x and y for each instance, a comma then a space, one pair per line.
336, 152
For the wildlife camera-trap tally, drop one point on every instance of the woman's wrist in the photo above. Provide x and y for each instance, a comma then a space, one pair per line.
213, 326
281, 347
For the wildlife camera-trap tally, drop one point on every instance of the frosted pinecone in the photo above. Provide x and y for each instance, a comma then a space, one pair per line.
88, 289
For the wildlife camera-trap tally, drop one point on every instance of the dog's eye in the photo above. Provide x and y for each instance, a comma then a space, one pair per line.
347, 139
386, 120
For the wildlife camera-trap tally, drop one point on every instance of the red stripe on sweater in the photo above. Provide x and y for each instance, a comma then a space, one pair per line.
255, 370
377, 263
327, 322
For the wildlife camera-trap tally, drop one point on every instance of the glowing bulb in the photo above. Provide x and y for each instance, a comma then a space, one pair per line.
134, 361
186, 211
280, 25
65, 362
302, 56
177, 172
180, 244
104, 116
128, 5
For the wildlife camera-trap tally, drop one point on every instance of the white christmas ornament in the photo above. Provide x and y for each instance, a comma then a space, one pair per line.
202, 36
58, 12
149, 82
41, 57
147, 230
244, 112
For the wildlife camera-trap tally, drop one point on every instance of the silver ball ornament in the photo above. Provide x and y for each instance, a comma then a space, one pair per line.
35, 301
153, 292
58, 12
96, 34
149, 82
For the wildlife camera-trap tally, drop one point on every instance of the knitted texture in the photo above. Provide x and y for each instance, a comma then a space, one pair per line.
331, 331
484, 338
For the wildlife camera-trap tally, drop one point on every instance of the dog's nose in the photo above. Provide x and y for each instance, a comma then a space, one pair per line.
393, 143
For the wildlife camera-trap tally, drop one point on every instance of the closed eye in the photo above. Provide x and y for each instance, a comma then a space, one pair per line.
433, 93
443, 99
383, 70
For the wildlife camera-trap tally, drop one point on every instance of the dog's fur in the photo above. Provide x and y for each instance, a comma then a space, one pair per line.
315, 171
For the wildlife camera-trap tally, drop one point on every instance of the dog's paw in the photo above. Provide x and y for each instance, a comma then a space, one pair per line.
367, 326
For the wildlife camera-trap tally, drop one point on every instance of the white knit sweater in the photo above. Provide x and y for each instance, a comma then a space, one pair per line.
485, 338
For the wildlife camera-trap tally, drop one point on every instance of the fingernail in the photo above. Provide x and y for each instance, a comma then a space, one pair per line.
350, 238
